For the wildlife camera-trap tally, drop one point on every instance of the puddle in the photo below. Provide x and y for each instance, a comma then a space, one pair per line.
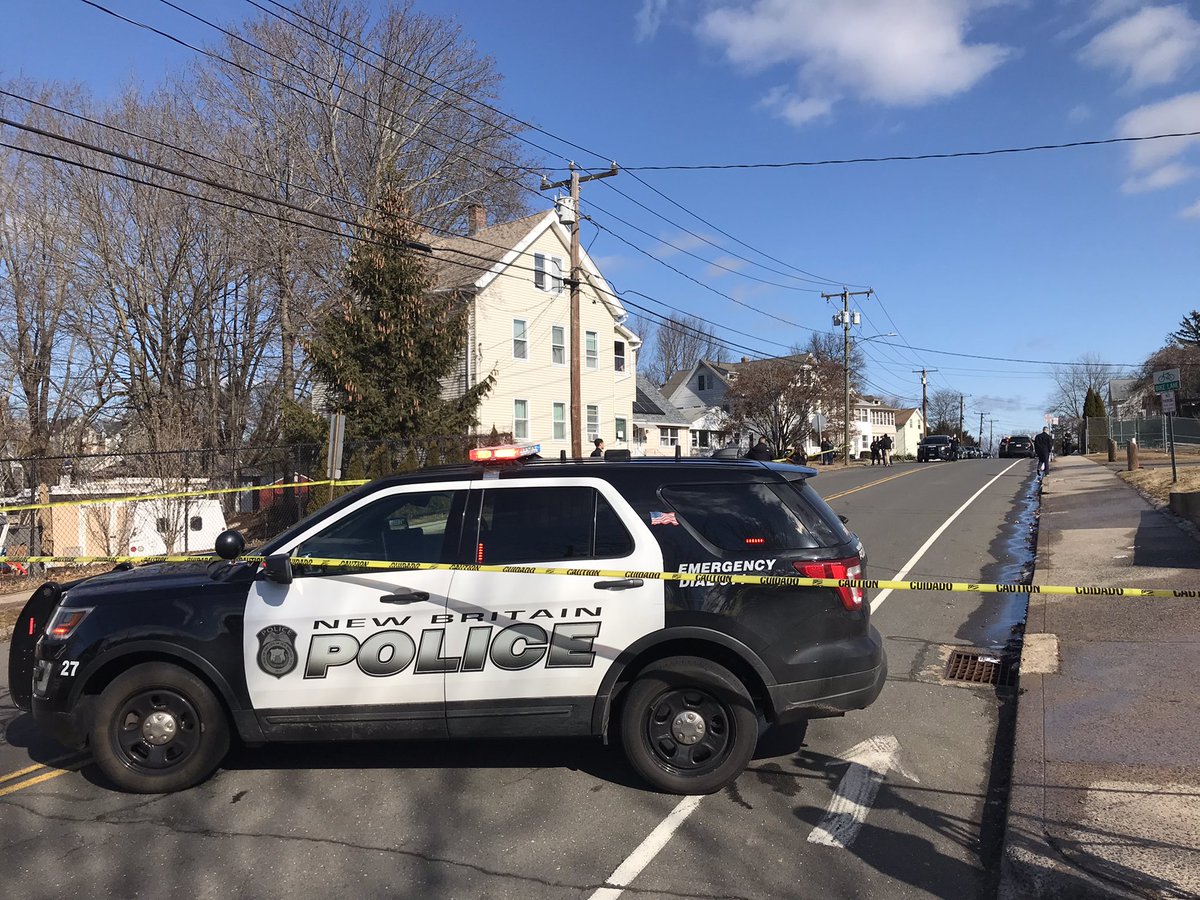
999, 624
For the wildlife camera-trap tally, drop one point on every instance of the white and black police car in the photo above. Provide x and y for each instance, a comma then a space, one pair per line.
156, 667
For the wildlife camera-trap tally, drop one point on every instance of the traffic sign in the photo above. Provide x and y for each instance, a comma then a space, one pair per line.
1166, 380
1168, 402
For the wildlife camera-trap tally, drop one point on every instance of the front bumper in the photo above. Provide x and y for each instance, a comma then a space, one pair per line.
834, 694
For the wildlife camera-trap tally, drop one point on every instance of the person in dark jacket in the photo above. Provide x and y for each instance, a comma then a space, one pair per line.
826, 452
599, 451
885, 449
761, 450
1043, 446
875, 452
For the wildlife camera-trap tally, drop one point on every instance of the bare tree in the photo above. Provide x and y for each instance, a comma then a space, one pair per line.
944, 407
779, 397
677, 343
1071, 384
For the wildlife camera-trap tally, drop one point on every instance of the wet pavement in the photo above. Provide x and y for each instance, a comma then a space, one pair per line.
1106, 769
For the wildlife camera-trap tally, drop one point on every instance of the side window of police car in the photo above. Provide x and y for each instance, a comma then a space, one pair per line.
546, 524
410, 527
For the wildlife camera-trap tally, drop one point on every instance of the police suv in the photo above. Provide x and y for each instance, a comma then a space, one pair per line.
156, 667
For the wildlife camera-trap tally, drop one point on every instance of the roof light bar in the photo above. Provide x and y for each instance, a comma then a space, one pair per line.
506, 453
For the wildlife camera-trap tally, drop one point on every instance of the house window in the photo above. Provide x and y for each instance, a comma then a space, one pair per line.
619, 356
560, 421
520, 339
591, 347
700, 440
668, 437
593, 422
520, 419
621, 430
547, 272
702, 382
558, 346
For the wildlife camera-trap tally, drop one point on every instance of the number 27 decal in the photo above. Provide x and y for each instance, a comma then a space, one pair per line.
69, 667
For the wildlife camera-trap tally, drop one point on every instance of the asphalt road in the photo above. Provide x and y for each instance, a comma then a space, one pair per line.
904, 799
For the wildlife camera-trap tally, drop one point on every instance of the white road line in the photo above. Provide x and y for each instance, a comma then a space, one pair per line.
899, 576
847, 811
646, 850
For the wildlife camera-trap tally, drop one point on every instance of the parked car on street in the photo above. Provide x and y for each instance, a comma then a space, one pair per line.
417, 606
937, 446
1017, 446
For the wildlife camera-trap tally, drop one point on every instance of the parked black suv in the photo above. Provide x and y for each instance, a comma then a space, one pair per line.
155, 666
1018, 446
937, 446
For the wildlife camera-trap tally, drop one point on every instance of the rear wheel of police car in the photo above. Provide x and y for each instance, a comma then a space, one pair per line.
158, 728
688, 725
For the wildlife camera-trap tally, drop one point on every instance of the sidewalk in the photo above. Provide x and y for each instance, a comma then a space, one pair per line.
1105, 797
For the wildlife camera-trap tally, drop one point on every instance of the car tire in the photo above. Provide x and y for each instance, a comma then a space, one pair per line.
158, 728
688, 725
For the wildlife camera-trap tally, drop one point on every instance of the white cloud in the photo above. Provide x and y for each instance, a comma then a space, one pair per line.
1080, 113
1153, 46
1178, 114
673, 244
793, 108
1163, 177
722, 264
648, 18
1192, 212
893, 52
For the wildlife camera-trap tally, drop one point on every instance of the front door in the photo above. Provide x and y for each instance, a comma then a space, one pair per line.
354, 642
538, 645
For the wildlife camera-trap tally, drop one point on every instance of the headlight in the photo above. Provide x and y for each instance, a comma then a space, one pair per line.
64, 621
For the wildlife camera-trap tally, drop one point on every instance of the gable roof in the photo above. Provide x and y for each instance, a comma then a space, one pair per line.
651, 407
460, 261
903, 415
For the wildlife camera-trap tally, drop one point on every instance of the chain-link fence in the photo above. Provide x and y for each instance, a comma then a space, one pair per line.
1152, 432
178, 501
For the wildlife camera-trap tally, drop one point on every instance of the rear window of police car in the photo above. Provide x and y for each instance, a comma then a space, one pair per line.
757, 516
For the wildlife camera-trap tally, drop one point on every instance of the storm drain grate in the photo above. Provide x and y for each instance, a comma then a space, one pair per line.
980, 667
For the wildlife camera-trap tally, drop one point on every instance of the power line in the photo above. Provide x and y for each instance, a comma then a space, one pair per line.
961, 154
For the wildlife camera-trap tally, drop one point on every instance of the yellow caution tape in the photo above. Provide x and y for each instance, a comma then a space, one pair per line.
99, 501
707, 578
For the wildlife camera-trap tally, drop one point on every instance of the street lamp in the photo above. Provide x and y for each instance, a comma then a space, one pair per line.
846, 377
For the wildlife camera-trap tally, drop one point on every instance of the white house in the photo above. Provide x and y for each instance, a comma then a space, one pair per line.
910, 428
658, 427
871, 419
512, 276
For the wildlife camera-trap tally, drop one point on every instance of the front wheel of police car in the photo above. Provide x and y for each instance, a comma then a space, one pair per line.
158, 728
688, 726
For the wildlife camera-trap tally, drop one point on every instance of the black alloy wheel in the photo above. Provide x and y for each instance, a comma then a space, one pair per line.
158, 728
688, 725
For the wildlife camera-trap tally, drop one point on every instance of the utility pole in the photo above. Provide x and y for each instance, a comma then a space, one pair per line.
960, 417
845, 319
924, 397
576, 393
991, 426
980, 441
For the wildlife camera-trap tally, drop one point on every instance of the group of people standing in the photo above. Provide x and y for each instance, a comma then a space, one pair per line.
881, 451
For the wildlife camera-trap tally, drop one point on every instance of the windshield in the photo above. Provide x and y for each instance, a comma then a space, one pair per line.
286, 535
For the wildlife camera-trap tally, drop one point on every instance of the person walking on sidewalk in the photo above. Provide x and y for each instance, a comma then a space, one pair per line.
885, 449
1043, 445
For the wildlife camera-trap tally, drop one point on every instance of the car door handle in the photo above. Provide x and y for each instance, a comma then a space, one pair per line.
407, 597
623, 584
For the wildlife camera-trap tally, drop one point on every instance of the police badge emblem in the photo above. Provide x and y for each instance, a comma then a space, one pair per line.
277, 650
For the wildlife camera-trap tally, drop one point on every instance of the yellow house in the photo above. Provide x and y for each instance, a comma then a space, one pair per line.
512, 276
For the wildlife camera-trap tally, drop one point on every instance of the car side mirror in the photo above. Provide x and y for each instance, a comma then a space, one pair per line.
845, 520
278, 568
230, 544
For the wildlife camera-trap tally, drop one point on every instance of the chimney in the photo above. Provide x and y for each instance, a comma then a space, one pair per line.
476, 218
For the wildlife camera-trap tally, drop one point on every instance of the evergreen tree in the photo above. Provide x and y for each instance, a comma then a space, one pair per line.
384, 348
1189, 330
1093, 406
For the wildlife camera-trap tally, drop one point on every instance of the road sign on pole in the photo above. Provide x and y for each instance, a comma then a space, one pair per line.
1166, 380
1168, 402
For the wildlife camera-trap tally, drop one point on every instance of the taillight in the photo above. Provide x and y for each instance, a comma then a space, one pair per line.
65, 621
851, 567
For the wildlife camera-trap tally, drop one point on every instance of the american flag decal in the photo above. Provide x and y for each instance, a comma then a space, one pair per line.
663, 518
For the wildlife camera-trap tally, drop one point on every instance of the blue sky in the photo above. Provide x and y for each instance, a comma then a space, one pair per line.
1041, 256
